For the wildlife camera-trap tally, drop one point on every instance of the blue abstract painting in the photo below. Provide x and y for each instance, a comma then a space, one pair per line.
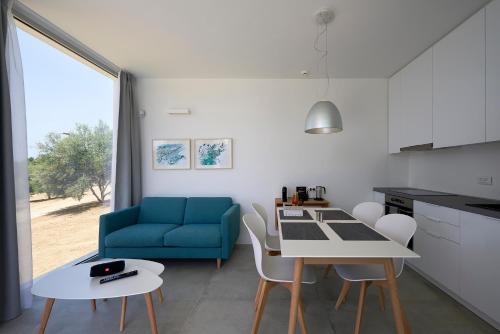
213, 153
171, 154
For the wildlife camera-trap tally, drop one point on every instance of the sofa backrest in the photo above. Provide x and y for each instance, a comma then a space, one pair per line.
206, 210
162, 210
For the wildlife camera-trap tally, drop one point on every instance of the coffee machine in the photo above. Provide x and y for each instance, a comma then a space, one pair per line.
302, 192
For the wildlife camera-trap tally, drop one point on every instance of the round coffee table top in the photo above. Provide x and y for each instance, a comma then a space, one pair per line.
75, 283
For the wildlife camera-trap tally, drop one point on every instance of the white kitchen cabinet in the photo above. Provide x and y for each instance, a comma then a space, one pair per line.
493, 71
416, 109
480, 263
379, 197
437, 241
410, 104
459, 85
396, 119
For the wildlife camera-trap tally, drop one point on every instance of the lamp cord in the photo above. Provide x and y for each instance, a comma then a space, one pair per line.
324, 55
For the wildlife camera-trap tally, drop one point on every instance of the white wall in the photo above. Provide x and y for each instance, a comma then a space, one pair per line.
265, 118
456, 169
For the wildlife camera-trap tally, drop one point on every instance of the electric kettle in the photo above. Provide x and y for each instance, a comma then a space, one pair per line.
320, 191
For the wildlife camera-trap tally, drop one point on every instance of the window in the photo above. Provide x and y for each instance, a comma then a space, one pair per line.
69, 114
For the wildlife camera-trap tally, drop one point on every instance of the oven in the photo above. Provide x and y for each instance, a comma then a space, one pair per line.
397, 204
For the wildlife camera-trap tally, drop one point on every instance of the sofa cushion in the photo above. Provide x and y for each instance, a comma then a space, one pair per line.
206, 210
139, 235
162, 210
194, 235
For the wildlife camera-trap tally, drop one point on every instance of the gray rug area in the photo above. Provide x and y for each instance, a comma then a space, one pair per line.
200, 299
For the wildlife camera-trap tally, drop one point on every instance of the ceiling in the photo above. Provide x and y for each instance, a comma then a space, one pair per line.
255, 38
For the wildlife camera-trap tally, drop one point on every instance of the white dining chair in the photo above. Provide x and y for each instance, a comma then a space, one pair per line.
397, 227
272, 243
368, 213
273, 271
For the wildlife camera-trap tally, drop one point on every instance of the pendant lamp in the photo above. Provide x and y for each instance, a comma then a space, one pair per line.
324, 116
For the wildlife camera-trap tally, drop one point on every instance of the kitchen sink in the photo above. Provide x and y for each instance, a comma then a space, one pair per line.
495, 207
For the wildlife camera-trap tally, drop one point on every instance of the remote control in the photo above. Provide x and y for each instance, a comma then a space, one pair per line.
117, 276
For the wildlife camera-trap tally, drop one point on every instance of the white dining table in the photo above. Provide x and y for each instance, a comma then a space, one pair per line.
335, 250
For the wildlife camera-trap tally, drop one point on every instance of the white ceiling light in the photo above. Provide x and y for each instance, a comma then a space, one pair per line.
323, 117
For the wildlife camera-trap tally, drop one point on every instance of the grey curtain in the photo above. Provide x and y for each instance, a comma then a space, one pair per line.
128, 184
10, 297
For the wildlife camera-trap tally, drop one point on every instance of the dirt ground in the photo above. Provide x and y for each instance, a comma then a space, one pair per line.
63, 230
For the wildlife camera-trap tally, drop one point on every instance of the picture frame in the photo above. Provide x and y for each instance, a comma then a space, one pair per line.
213, 153
171, 154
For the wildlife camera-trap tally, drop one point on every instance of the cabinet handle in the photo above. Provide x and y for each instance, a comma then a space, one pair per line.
438, 236
432, 234
434, 219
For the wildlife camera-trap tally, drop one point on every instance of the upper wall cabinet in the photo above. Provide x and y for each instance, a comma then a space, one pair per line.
410, 104
416, 87
396, 118
459, 85
493, 71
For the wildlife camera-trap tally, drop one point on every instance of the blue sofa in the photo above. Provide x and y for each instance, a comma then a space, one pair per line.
171, 227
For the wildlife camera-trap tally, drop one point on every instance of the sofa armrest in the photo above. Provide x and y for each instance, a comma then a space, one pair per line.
114, 221
230, 228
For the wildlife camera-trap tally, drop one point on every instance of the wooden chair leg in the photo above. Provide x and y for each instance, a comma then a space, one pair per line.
160, 295
266, 286
123, 312
361, 304
381, 298
92, 305
302, 321
327, 271
346, 286
219, 263
259, 290
46, 314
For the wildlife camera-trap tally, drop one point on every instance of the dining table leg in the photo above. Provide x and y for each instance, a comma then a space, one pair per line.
402, 325
46, 314
294, 304
151, 313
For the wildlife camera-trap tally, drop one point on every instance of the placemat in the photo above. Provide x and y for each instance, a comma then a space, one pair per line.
335, 215
356, 232
306, 216
302, 231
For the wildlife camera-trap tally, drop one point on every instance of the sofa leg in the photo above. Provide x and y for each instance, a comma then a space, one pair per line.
219, 263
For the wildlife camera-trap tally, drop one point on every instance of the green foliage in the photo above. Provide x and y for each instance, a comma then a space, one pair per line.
69, 165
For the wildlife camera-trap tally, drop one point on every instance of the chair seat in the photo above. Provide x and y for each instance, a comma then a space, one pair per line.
195, 235
365, 272
273, 243
139, 235
280, 269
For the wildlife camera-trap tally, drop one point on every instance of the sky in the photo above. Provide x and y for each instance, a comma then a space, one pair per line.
60, 91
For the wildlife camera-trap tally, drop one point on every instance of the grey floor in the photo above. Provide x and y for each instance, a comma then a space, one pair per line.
200, 299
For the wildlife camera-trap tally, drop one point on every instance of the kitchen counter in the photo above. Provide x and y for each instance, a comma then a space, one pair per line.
454, 201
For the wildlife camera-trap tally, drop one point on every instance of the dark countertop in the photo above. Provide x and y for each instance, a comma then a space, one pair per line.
454, 201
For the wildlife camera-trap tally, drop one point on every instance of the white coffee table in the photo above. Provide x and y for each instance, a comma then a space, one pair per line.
154, 267
74, 283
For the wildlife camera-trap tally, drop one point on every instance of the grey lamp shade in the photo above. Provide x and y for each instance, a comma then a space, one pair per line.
323, 117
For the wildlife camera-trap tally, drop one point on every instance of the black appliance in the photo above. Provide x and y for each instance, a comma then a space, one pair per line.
401, 205
284, 194
302, 192
107, 268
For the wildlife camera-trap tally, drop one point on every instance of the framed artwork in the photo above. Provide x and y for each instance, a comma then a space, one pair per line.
171, 154
213, 153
